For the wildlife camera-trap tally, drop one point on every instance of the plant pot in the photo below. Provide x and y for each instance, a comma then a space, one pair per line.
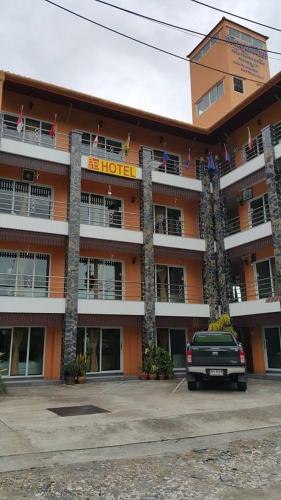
162, 376
81, 379
69, 380
143, 376
152, 376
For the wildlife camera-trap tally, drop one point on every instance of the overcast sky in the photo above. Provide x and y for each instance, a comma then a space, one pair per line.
40, 41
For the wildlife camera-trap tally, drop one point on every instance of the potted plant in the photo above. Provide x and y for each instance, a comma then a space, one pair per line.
151, 360
143, 371
165, 363
153, 372
82, 366
70, 372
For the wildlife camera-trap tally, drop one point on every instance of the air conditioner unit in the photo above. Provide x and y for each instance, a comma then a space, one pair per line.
28, 175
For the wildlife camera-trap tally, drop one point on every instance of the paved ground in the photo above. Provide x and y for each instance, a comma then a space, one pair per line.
157, 441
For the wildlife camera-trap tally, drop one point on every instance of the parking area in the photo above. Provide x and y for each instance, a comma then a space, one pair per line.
138, 413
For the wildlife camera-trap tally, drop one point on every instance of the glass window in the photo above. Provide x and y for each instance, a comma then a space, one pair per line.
173, 340
219, 339
103, 347
212, 96
100, 279
273, 347
19, 352
25, 199
169, 283
36, 351
238, 85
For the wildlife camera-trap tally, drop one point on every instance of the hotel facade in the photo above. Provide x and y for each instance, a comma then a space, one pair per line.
113, 230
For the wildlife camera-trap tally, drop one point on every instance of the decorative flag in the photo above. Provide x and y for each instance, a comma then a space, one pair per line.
250, 140
187, 162
126, 146
165, 158
226, 153
96, 139
20, 121
53, 128
211, 164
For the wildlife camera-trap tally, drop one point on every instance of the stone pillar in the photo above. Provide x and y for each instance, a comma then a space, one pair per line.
149, 323
273, 180
223, 272
207, 232
73, 250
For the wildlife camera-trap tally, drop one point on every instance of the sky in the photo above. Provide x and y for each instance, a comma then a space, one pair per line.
39, 41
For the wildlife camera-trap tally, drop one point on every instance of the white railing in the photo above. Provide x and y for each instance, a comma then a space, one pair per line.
261, 289
174, 293
93, 288
31, 285
28, 205
101, 216
242, 156
256, 217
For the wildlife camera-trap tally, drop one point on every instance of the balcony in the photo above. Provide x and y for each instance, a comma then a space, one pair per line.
180, 301
110, 224
115, 297
276, 139
252, 298
177, 174
171, 233
25, 211
26, 293
254, 226
34, 140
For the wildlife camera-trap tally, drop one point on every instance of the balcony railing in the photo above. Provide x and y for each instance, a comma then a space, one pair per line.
177, 168
260, 289
109, 290
256, 217
38, 134
276, 133
242, 157
173, 227
16, 203
182, 294
27, 285
101, 216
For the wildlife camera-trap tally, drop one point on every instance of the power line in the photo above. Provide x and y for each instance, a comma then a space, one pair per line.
236, 15
181, 28
158, 49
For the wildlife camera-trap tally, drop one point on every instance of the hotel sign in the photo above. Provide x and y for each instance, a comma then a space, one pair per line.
111, 167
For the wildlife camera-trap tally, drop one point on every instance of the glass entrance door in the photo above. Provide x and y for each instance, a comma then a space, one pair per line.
103, 348
23, 351
272, 341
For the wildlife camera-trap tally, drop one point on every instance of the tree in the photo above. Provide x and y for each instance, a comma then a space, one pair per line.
222, 324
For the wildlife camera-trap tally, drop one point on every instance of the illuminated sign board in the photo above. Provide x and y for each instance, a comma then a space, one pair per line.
112, 167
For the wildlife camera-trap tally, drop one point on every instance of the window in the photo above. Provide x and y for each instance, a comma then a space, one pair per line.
102, 346
246, 39
217, 339
101, 210
23, 350
169, 282
210, 98
259, 210
100, 279
171, 167
24, 274
265, 278
109, 149
25, 199
238, 85
173, 340
167, 220
272, 337
208, 45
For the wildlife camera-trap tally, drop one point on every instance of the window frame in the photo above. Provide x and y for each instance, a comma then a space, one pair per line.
207, 97
236, 78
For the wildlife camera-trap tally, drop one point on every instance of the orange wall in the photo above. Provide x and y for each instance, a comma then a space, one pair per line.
190, 211
257, 350
132, 357
52, 353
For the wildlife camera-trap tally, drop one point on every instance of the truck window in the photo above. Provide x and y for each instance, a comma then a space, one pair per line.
219, 339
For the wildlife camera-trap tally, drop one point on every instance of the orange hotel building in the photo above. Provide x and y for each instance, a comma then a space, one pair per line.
104, 245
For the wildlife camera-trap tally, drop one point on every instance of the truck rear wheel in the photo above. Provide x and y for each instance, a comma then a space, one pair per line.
191, 386
242, 386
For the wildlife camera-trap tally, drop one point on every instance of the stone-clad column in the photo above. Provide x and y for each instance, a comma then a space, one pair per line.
72, 254
223, 272
273, 180
149, 323
207, 232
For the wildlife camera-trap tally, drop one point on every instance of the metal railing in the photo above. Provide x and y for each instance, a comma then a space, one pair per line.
38, 134
260, 289
243, 156
31, 285
101, 216
93, 288
173, 227
177, 168
110, 153
238, 224
276, 133
174, 293
28, 205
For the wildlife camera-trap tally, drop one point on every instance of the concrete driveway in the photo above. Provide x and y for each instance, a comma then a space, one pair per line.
154, 416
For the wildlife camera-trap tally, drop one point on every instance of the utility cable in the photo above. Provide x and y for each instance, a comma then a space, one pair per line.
236, 15
158, 49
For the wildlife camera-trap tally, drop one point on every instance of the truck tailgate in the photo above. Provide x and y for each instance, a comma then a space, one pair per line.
215, 356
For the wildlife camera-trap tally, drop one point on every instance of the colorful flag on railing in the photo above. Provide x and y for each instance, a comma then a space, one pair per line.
250, 140
20, 121
187, 162
126, 146
226, 153
96, 139
165, 158
53, 128
211, 163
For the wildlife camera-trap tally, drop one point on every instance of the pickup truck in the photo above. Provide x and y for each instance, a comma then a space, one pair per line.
215, 355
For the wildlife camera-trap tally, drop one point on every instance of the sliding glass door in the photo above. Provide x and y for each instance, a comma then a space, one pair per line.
103, 348
24, 274
101, 210
23, 351
167, 220
100, 279
173, 340
22, 198
169, 283
272, 341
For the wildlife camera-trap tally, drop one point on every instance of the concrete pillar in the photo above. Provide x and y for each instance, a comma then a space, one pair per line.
223, 272
149, 323
73, 250
273, 180
207, 232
